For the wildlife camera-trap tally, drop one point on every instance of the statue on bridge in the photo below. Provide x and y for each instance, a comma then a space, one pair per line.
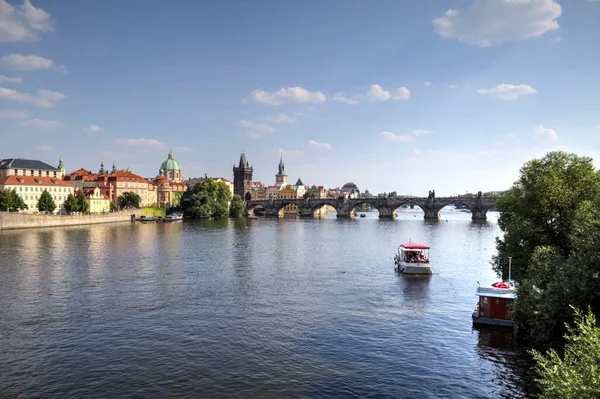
478, 195
431, 194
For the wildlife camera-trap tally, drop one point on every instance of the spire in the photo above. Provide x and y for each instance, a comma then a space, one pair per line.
102, 170
243, 161
114, 167
299, 182
170, 154
281, 166
60, 163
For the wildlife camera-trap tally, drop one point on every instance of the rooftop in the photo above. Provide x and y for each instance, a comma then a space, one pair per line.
21, 163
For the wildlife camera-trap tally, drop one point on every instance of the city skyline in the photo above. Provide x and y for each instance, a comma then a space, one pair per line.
399, 97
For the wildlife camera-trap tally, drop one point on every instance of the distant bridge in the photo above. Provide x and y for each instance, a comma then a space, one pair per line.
345, 207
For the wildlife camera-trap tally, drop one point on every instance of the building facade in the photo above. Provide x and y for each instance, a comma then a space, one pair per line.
242, 179
97, 202
169, 183
30, 178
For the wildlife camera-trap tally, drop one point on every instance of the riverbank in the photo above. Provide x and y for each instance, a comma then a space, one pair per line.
14, 221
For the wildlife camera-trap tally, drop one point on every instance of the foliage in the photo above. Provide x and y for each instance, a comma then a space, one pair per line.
45, 202
9, 199
154, 211
206, 199
237, 207
307, 195
113, 207
176, 198
539, 209
129, 200
71, 204
577, 374
82, 203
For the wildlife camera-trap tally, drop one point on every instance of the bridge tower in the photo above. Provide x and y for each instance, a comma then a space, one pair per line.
281, 177
242, 178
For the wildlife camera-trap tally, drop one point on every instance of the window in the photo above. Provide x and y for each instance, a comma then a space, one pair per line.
39, 172
16, 171
54, 174
47, 173
31, 172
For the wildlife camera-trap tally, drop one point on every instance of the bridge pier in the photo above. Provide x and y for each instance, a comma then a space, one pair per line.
306, 212
478, 215
386, 212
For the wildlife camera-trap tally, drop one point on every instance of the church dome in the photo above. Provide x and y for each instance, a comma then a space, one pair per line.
170, 164
349, 186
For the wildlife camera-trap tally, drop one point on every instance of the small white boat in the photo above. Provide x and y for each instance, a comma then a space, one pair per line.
173, 217
495, 304
412, 258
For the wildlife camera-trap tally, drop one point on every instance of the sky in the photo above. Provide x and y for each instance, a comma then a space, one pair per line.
392, 95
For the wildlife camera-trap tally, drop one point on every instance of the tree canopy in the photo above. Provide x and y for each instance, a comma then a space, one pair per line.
577, 374
76, 203
46, 203
9, 199
129, 200
207, 199
237, 207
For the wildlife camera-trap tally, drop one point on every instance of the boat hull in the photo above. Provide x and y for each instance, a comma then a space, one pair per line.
492, 322
412, 268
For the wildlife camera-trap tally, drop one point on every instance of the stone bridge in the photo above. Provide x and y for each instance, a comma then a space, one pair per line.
345, 207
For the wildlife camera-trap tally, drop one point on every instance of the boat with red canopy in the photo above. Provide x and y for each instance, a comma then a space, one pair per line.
412, 258
495, 304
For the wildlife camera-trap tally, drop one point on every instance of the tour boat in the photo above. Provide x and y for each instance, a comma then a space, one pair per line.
495, 304
412, 258
174, 217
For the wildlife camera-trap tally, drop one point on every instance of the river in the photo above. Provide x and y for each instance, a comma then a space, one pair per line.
266, 308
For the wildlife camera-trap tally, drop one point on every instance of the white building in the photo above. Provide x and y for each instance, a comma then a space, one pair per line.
29, 178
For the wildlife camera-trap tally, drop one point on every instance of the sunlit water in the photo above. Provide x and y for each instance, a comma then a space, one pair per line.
251, 308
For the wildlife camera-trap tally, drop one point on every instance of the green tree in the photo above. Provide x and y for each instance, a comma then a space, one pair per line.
577, 374
9, 199
129, 200
308, 195
539, 209
207, 199
113, 207
236, 207
82, 204
71, 204
46, 203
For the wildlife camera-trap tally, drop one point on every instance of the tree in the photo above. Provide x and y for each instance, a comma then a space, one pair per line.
308, 195
236, 207
129, 200
113, 207
46, 203
538, 210
9, 199
71, 204
576, 375
82, 203
207, 199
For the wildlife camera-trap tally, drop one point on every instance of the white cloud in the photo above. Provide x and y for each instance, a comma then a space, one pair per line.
22, 23
344, 99
417, 151
255, 130
485, 22
389, 136
283, 118
427, 83
377, 93
453, 86
289, 94
5, 79
507, 91
290, 153
41, 123
44, 147
26, 62
141, 142
420, 132
41, 98
93, 129
320, 146
14, 114
540, 130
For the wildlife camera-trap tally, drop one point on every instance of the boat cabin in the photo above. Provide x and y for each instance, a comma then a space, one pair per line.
414, 253
495, 304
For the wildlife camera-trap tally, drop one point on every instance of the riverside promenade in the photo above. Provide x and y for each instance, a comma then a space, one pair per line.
14, 221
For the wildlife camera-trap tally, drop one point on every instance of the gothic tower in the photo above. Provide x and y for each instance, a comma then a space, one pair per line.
242, 179
281, 177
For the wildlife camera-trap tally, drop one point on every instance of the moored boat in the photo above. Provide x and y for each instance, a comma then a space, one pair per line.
147, 219
412, 258
175, 217
495, 304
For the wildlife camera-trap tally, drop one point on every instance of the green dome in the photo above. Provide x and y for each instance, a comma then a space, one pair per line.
170, 164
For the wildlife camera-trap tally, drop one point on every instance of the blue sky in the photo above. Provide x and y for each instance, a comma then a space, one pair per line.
393, 95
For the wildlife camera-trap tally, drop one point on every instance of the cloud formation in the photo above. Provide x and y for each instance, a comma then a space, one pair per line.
377, 93
255, 130
22, 23
93, 129
5, 79
319, 146
508, 92
141, 142
14, 114
344, 99
26, 63
389, 136
540, 130
486, 22
41, 123
287, 95
41, 98
421, 132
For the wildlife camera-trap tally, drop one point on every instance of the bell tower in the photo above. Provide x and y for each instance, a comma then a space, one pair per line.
281, 177
242, 178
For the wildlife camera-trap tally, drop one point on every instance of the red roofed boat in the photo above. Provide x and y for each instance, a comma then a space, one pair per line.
495, 304
412, 258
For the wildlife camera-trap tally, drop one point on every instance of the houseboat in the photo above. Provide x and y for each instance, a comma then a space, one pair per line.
412, 258
495, 304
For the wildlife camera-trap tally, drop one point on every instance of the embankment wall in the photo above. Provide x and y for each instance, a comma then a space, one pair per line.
12, 221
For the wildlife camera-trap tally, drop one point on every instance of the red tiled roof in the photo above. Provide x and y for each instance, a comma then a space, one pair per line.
78, 173
34, 181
